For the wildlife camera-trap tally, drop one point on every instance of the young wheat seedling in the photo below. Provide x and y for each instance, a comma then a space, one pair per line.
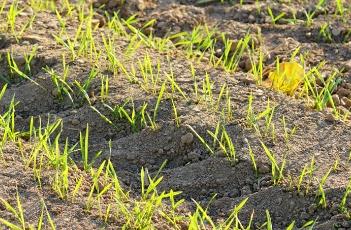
275, 19
277, 171
321, 194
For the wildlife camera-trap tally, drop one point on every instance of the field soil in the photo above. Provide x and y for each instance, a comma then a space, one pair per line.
210, 179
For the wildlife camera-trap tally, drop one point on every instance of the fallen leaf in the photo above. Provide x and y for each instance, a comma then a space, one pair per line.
287, 77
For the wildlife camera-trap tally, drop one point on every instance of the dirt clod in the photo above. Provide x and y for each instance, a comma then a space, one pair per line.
187, 139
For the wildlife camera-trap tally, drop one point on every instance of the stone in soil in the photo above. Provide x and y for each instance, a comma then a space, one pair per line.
187, 139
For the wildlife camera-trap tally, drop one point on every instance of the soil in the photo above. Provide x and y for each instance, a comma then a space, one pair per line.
190, 168
16, 178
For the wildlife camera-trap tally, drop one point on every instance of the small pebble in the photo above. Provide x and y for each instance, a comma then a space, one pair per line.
347, 85
130, 156
246, 190
342, 92
55, 92
26, 43
336, 32
75, 122
347, 102
279, 200
312, 209
252, 18
292, 204
329, 115
248, 80
336, 99
194, 156
187, 139
219, 153
160, 151
263, 168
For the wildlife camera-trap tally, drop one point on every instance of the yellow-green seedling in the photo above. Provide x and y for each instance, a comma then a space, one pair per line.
146, 69
303, 174
134, 44
84, 150
200, 219
309, 224
92, 75
83, 43
230, 60
256, 65
137, 118
60, 182
43, 150
68, 7
325, 32
28, 60
268, 224
220, 95
293, 20
309, 17
158, 102
198, 41
202, 140
321, 4
62, 22
288, 133
118, 191
77, 186
114, 63
224, 141
252, 156
227, 111
175, 112
2, 7
116, 24
233, 221
174, 85
18, 212
343, 204
275, 19
105, 88
250, 115
340, 8
42, 5
291, 226
320, 195
171, 216
12, 22
321, 97
95, 174
277, 170
195, 84
267, 114
7, 122
207, 86
61, 84
140, 214
15, 70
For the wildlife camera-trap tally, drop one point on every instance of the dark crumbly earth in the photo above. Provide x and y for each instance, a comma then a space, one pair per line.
210, 179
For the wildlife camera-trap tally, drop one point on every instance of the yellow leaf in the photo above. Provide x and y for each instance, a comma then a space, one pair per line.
287, 77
